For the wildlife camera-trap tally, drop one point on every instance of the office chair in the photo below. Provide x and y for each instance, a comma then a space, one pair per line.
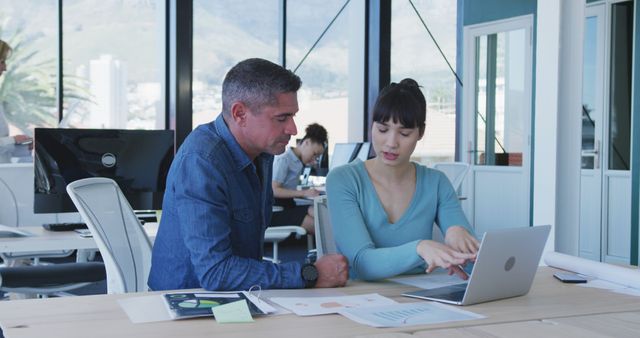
50, 279
325, 244
37, 277
275, 235
455, 172
124, 245
16, 209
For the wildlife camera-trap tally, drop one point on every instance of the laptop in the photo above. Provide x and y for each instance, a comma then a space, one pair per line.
304, 178
505, 267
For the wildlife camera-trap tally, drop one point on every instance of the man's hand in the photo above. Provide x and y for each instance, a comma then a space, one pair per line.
436, 254
21, 139
333, 271
459, 239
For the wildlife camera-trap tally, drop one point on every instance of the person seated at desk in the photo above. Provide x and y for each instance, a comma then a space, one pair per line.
10, 144
218, 198
287, 168
383, 210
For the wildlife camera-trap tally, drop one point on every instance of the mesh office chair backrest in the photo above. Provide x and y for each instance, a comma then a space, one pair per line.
455, 172
325, 244
16, 207
124, 245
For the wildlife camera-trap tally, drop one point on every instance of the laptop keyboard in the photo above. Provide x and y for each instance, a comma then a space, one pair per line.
455, 296
452, 293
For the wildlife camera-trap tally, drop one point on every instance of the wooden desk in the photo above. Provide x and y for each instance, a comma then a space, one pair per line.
44, 240
549, 301
617, 324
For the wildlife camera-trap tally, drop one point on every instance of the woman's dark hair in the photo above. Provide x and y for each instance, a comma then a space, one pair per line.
402, 102
316, 133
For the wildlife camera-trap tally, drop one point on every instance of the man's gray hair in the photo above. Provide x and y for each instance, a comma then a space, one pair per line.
256, 82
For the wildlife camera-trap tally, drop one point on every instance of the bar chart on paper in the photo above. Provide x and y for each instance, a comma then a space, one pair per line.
407, 314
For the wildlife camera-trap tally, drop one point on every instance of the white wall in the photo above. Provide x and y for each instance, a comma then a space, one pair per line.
569, 126
558, 119
546, 116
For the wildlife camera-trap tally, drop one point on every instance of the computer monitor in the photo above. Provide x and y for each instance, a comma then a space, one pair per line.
363, 152
322, 168
343, 153
138, 160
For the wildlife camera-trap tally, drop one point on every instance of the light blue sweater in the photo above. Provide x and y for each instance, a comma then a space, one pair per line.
375, 248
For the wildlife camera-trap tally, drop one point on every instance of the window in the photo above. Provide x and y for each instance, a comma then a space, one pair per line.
226, 32
414, 55
324, 96
114, 64
620, 87
590, 106
501, 87
28, 87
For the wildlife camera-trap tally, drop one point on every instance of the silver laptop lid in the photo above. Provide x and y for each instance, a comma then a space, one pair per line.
506, 264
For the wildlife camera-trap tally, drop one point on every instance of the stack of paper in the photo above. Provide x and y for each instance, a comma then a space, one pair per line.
375, 310
407, 314
313, 306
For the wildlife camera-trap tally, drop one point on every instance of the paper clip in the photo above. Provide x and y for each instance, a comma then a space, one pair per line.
253, 289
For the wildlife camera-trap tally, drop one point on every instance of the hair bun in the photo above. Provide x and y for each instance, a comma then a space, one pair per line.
409, 82
316, 133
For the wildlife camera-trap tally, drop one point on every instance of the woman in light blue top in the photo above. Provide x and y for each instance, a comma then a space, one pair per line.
383, 209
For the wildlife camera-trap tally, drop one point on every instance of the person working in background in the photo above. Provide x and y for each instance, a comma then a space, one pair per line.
383, 210
218, 197
8, 143
287, 168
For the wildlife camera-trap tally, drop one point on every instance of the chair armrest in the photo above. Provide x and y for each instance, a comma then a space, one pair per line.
50, 275
280, 233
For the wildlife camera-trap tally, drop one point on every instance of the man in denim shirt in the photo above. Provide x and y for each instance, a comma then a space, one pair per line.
218, 198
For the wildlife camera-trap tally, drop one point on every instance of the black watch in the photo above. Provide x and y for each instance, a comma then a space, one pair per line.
309, 274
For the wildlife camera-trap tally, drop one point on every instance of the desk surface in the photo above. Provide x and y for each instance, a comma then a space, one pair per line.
548, 302
45, 240
617, 324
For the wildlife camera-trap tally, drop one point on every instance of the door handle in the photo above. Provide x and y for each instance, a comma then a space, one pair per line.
470, 152
595, 152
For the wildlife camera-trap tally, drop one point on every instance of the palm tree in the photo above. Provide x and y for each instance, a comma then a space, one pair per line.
28, 88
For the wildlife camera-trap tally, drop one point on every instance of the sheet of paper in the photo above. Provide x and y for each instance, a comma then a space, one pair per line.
235, 312
266, 296
628, 291
431, 281
600, 284
407, 314
311, 306
145, 309
614, 287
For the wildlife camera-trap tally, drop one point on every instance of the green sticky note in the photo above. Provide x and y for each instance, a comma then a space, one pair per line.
236, 312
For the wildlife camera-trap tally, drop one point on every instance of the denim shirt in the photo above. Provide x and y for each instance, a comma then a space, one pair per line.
216, 207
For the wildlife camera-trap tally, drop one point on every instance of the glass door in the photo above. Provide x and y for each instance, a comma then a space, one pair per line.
592, 113
605, 181
496, 123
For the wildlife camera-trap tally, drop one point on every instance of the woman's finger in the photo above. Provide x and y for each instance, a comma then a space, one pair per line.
459, 272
